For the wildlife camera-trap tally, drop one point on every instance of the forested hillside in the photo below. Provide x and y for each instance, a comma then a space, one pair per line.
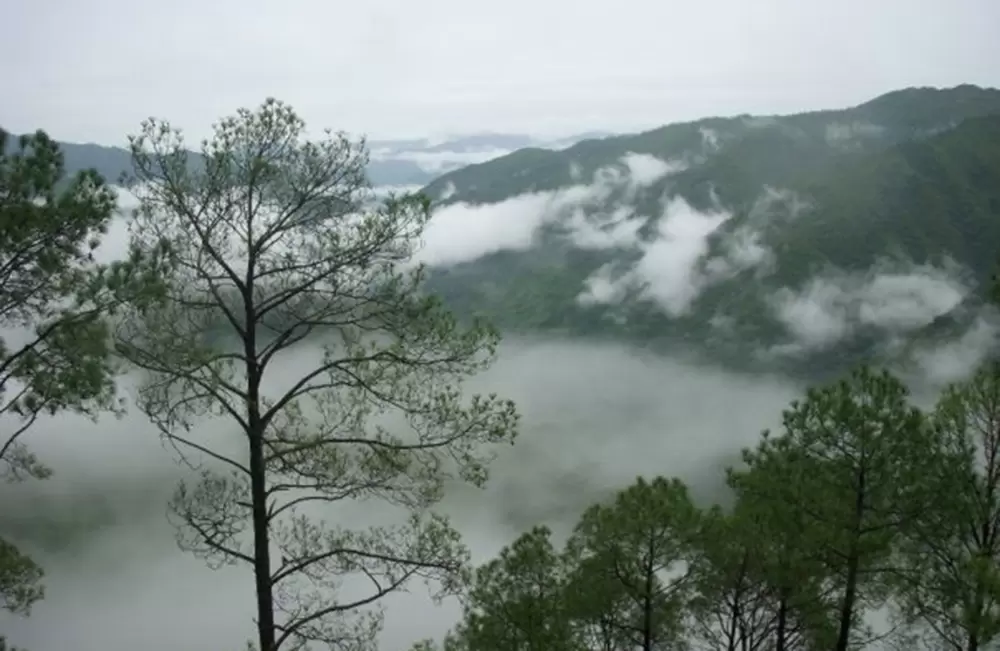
723, 233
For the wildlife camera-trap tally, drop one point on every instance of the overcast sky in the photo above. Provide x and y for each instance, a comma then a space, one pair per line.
90, 71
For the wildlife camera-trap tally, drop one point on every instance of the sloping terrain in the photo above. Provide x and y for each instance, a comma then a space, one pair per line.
806, 241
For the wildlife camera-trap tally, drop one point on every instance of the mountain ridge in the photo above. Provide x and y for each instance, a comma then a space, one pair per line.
773, 225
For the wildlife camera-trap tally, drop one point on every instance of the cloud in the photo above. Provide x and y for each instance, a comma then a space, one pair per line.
587, 412
460, 232
448, 192
891, 297
602, 287
777, 205
618, 228
645, 169
709, 139
954, 360
668, 269
382, 191
678, 262
440, 161
846, 134
742, 249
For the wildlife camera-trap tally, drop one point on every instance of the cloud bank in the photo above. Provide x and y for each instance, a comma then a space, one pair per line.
461, 232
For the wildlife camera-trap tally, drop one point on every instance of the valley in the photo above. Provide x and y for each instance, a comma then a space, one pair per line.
661, 297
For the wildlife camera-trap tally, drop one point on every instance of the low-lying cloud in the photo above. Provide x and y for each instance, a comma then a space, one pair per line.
845, 134
461, 232
893, 298
678, 263
669, 259
668, 271
594, 417
440, 161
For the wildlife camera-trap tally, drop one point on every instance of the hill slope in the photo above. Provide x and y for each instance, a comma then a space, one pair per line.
805, 241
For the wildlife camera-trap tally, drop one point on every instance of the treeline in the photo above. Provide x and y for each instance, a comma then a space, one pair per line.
861, 504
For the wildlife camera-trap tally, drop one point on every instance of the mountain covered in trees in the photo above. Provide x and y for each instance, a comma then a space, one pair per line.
803, 240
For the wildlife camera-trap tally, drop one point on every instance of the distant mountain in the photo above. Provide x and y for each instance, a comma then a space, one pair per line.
393, 162
418, 161
805, 241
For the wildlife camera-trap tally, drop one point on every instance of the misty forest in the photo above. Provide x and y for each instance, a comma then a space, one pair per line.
253, 397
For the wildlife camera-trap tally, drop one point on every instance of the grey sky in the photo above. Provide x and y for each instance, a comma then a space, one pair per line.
90, 71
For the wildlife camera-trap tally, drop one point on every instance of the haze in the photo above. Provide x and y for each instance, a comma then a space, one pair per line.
595, 416
91, 72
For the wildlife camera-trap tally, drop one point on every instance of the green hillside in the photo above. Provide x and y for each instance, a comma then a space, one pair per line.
910, 178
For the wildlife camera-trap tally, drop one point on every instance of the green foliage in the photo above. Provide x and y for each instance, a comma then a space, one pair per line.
47, 239
950, 579
911, 179
756, 583
272, 240
862, 501
846, 473
516, 601
20, 580
632, 556
59, 297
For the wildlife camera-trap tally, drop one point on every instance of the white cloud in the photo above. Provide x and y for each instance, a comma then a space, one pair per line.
890, 297
448, 192
602, 288
461, 232
441, 161
816, 317
743, 249
382, 191
645, 170
668, 266
777, 204
604, 230
955, 360
676, 267
709, 139
667, 271
398, 68
839, 133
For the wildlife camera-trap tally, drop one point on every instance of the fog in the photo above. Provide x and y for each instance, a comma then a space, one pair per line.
595, 416
688, 251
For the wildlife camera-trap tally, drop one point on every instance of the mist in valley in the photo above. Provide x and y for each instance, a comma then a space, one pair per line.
594, 416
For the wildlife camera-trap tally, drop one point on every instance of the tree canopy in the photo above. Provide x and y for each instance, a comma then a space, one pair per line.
275, 240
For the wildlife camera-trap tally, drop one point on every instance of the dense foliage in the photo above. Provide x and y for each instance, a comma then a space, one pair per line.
861, 505
54, 303
906, 179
